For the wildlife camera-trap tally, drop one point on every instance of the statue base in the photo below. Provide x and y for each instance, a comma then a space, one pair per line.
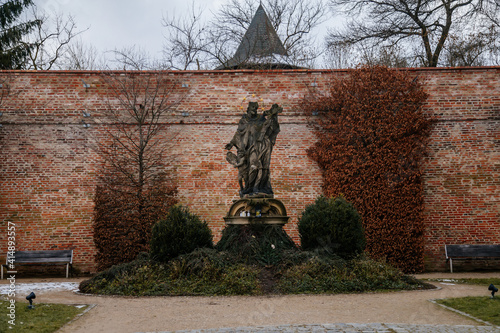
257, 196
257, 210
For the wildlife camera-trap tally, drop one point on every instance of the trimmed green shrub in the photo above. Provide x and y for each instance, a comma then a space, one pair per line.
332, 225
179, 233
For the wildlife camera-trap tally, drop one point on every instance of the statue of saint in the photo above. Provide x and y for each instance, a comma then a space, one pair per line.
254, 140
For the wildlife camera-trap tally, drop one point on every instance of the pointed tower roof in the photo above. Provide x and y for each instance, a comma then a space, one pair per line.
259, 42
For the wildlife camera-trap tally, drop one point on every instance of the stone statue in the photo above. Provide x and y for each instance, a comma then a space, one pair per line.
254, 140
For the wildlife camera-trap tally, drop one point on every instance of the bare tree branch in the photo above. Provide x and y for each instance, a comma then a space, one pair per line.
80, 56
187, 40
190, 42
407, 23
50, 40
472, 48
134, 145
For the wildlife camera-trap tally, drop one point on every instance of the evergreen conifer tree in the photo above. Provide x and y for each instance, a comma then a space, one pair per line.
13, 51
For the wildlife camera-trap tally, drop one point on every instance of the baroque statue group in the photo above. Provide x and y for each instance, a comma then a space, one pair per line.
254, 140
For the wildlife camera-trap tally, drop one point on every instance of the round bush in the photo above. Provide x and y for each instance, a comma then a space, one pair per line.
179, 233
332, 225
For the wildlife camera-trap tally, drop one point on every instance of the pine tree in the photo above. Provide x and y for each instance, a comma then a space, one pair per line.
13, 51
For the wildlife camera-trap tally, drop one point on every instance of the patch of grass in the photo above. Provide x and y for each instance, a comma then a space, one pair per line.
44, 318
480, 282
484, 308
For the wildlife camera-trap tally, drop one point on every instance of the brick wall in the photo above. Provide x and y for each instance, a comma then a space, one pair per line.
48, 169
462, 171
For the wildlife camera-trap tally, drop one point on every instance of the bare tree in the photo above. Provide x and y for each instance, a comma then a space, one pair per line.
50, 40
387, 56
134, 119
491, 9
132, 138
340, 55
187, 41
346, 55
80, 56
471, 49
134, 58
293, 20
191, 41
421, 27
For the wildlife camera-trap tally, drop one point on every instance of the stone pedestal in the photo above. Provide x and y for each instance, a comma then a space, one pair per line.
257, 210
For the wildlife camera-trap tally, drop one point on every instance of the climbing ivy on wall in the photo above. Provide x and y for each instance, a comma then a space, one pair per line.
371, 138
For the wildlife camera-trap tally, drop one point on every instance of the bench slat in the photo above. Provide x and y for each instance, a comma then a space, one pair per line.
40, 260
472, 251
43, 254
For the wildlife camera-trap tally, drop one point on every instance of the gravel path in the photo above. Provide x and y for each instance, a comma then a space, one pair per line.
352, 328
370, 312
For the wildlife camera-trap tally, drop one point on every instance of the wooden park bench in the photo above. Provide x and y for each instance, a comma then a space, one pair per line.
48, 257
471, 252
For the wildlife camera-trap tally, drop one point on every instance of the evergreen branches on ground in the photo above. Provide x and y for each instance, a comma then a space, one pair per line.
210, 272
256, 243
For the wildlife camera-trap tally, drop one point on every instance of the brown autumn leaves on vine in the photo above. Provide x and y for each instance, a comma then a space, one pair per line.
372, 136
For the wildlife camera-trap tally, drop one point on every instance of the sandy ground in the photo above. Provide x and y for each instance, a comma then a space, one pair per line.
128, 314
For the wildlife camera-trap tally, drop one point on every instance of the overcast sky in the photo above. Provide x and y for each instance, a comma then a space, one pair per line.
122, 23
115, 24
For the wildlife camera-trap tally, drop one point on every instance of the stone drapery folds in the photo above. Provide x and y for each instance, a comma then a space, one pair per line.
254, 141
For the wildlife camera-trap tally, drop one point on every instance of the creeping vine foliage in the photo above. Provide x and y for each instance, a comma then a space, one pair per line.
371, 138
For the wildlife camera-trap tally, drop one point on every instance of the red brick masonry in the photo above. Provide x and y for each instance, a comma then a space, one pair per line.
48, 170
